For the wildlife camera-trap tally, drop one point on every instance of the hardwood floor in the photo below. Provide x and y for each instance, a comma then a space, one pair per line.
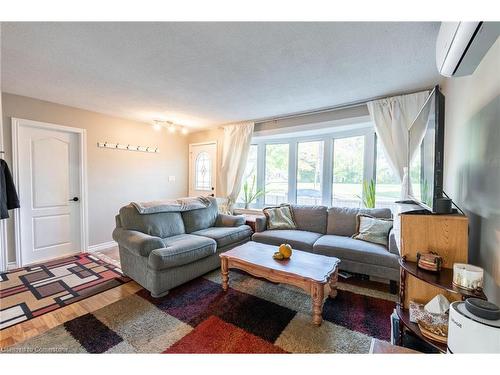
23, 331
112, 253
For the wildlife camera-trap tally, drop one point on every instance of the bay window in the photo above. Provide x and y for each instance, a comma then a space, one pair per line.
309, 172
348, 170
276, 184
331, 169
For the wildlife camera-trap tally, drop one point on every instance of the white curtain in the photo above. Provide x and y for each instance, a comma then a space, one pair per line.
393, 117
236, 144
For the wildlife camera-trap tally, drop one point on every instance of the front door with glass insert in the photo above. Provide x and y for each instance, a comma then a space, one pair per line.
202, 170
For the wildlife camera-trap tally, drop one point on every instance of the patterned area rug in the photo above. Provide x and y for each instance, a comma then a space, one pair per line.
29, 292
254, 316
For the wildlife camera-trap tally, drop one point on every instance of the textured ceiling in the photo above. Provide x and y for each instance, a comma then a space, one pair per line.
202, 74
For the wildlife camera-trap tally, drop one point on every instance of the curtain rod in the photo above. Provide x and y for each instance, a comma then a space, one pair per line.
317, 111
333, 108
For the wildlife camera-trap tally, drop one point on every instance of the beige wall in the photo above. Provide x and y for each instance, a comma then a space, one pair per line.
114, 177
472, 161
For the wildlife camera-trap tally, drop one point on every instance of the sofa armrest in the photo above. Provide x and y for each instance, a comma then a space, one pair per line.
392, 243
224, 220
140, 243
260, 223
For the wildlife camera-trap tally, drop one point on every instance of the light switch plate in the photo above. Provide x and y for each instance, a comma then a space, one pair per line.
171, 178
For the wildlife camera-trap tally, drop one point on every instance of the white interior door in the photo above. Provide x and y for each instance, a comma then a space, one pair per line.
202, 169
49, 170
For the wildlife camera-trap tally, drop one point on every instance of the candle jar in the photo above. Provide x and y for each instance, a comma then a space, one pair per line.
467, 276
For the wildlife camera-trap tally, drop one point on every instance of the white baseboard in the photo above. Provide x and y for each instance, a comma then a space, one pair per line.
101, 246
11, 266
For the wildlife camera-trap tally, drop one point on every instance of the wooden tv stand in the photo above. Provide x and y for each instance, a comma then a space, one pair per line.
448, 236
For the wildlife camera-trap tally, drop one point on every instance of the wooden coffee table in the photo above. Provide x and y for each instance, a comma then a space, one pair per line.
311, 272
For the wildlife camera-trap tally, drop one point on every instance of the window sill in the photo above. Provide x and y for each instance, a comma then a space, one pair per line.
250, 211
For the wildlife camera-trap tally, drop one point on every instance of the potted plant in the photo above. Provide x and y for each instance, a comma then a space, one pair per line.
251, 193
368, 198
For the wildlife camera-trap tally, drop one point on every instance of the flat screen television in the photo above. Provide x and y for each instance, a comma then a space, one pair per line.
426, 162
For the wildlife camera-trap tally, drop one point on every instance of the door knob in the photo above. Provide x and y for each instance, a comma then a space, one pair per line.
74, 199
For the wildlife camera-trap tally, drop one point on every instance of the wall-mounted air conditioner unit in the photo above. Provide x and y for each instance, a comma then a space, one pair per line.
461, 46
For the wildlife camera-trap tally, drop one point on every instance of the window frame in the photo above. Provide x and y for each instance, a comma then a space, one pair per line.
369, 159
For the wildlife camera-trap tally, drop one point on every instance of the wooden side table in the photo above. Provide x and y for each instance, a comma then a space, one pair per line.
448, 236
250, 220
442, 280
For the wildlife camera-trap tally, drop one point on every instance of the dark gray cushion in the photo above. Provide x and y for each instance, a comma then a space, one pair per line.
224, 220
298, 239
310, 218
355, 250
202, 218
180, 250
163, 224
342, 220
225, 236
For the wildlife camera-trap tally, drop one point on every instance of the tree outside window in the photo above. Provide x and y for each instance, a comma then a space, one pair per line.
276, 183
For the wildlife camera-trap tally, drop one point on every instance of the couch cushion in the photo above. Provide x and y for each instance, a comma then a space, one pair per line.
225, 236
298, 239
355, 250
279, 217
342, 220
373, 229
202, 218
180, 250
310, 218
162, 224
224, 220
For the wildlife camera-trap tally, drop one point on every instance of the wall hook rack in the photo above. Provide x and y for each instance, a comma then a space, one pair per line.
127, 147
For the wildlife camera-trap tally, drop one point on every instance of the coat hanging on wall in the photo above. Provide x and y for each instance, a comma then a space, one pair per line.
8, 194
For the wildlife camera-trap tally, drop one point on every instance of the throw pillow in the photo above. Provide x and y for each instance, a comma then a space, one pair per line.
280, 217
372, 229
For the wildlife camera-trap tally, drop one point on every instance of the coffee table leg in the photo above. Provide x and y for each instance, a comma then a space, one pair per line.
225, 273
333, 284
317, 295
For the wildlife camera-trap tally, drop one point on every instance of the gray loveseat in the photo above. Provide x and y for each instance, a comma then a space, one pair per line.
328, 231
166, 249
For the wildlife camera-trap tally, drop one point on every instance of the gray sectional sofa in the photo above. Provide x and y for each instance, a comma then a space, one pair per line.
166, 249
328, 231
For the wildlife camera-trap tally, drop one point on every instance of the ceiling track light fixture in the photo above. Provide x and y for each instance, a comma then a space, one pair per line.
157, 125
170, 126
